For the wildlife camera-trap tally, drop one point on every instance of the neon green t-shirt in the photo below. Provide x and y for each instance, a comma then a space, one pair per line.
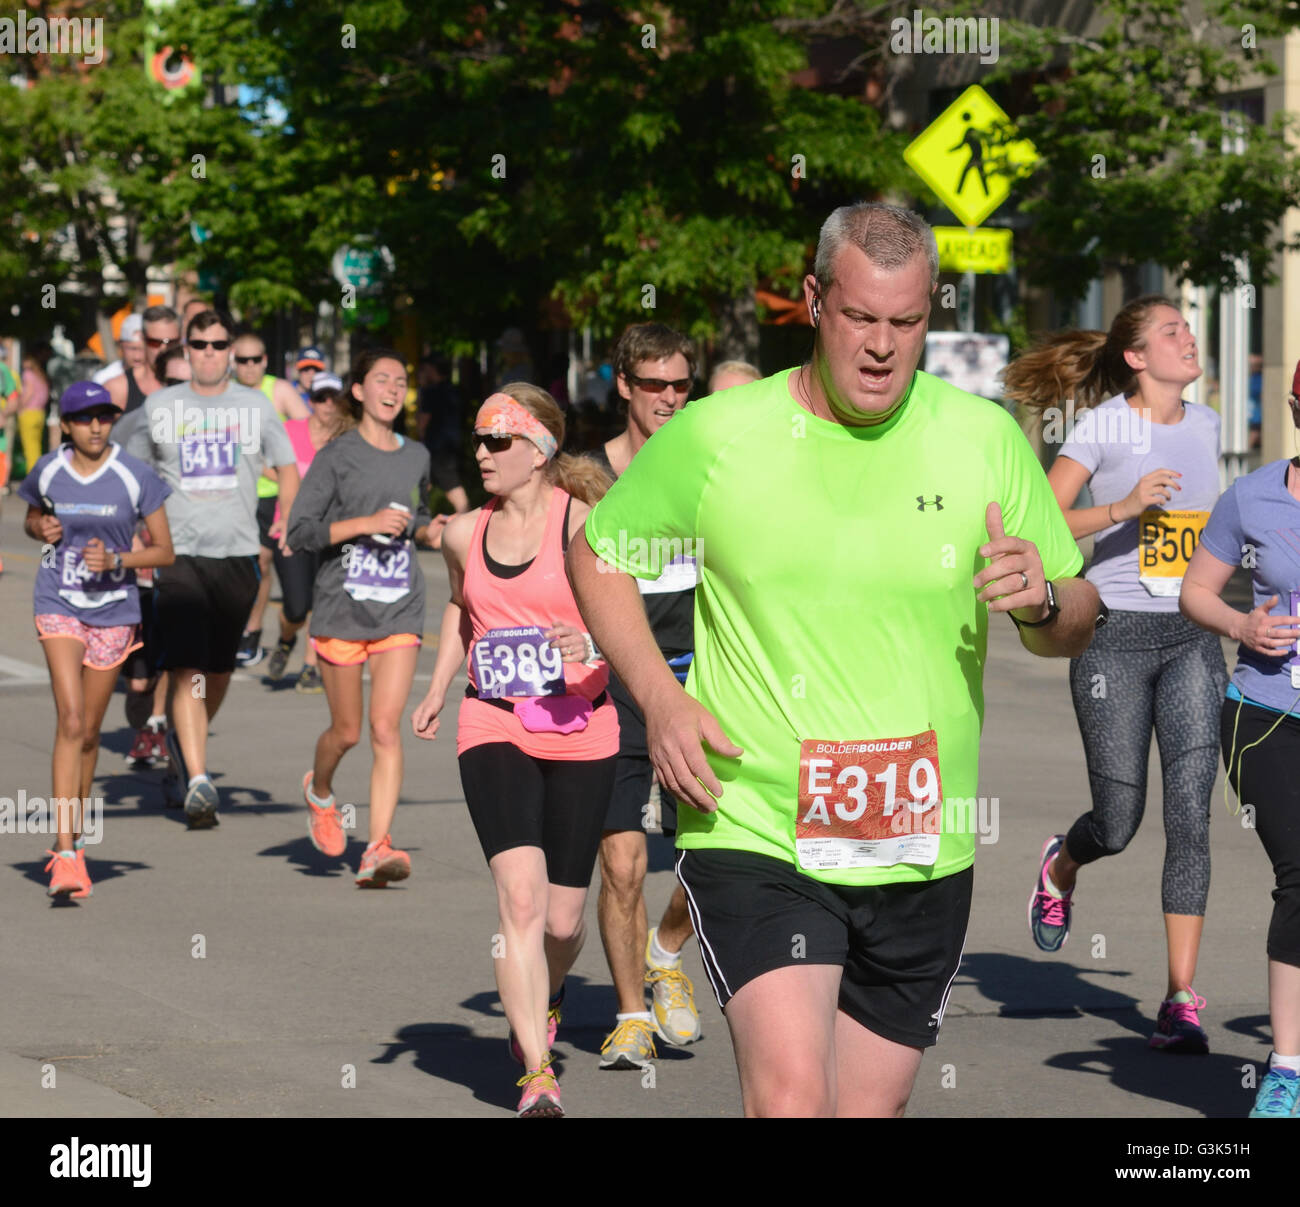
838, 639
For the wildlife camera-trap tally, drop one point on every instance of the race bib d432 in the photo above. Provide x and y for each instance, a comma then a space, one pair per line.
869, 803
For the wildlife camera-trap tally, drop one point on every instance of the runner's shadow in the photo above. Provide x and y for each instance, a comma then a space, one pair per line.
308, 861
1210, 1085
1253, 1026
589, 1016
452, 1052
1030, 988
101, 870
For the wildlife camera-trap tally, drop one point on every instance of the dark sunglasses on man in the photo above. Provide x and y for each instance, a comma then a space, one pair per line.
217, 345
249, 360
657, 385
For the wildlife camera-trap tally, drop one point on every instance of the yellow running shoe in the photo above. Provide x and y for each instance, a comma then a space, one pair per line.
631, 1045
676, 1019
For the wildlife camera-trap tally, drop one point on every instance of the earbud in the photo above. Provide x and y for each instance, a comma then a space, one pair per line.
816, 310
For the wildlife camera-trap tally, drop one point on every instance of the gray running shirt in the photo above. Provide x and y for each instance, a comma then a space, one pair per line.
210, 450
365, 590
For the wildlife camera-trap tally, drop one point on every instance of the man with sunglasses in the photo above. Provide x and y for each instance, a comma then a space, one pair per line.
856, 522
653, 367
250, 370
209, 440
128, 390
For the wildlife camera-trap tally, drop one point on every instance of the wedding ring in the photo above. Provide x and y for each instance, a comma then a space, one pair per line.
1024, 581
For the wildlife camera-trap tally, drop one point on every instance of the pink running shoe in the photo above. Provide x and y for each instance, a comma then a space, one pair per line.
1178, 1027
65, 874
553, 1013
1049, 915
541, 1096
323, 824
380, 865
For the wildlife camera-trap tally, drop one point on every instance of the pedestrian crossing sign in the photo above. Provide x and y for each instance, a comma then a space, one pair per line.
961, 155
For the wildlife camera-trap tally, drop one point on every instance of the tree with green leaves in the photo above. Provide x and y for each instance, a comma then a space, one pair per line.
608, 161
1135, 132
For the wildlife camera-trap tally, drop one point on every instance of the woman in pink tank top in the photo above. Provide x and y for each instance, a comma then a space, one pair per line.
537, 735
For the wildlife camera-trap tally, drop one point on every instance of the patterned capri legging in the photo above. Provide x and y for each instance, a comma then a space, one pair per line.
1145, 671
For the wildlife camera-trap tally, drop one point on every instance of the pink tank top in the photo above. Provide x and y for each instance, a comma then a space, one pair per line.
539, 596
303, 449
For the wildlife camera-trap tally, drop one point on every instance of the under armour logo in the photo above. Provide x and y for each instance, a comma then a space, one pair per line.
936, 503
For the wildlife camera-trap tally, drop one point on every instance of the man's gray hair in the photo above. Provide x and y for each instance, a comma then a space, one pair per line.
888, 235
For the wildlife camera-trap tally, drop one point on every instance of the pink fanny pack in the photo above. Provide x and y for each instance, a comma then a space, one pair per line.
554, 714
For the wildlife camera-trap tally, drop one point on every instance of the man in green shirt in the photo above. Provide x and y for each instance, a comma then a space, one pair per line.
847, 518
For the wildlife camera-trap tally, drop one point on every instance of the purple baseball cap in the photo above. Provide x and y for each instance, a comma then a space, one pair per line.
85, 396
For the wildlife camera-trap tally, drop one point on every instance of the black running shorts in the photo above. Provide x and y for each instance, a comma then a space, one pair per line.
516, 800
200, 606
265, 518
898, 944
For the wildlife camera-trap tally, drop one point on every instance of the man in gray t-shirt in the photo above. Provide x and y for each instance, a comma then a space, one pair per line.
208, 439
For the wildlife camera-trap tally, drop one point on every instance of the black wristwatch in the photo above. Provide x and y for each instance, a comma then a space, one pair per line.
1053, 610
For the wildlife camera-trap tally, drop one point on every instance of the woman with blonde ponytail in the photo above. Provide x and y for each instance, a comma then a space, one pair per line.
537, 734
1150, 461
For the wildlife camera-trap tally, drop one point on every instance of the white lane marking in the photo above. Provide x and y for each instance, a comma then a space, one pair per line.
21, 670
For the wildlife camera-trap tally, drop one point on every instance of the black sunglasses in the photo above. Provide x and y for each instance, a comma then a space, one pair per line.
104, 416
495, 444
249, 360
657, 385
218, 345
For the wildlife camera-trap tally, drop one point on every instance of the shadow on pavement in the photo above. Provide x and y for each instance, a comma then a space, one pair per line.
589, 1016
101, 870
452, 1052
1030, 988
1049, 988
308, 861
1210, 1085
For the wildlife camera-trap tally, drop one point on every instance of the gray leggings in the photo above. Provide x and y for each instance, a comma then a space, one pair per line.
1148, 670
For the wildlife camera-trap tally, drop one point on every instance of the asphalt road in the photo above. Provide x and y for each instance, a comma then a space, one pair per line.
237, 972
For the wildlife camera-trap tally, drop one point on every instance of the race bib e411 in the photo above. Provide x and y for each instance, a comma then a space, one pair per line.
869, 803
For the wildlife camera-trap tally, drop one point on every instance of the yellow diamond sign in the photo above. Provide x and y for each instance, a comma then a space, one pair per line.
962, 159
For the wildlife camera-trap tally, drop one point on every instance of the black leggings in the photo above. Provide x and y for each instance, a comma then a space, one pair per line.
1148, 670
516, 800
1266, 783
297, 576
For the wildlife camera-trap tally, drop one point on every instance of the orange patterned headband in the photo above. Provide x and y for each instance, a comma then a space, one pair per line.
501, 415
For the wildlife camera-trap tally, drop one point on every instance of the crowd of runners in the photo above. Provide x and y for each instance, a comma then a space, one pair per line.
643, 652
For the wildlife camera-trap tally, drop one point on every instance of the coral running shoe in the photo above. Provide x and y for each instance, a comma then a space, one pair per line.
1178, 1029
541, 1096
381, 865
323, 823
1049, 913
79, 849
65, 874
1277, 1095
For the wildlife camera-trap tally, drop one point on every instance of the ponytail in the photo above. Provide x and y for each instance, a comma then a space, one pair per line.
1086, 366
581, 477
